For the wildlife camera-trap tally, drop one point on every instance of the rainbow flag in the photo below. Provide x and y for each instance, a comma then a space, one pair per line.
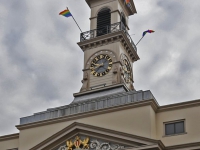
128, 2
148, 31
65, 13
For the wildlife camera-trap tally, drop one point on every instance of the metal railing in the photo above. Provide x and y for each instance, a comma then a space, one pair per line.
119, 26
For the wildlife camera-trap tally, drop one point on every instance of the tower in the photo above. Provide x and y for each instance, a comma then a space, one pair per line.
109, 52
107, 113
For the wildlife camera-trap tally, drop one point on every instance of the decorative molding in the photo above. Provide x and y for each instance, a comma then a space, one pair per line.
62, 148
195, 146
135, 104
96, 145
94, 133
9, 137
182, 105
108, 39
128, 11
79, 144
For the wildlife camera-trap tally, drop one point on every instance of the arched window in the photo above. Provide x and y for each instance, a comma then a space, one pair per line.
123, 20
103, 21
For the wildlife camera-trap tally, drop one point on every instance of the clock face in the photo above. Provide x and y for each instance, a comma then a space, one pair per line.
101, 65
126, 69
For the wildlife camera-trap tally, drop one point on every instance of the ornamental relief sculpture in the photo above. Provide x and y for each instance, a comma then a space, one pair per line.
104, 146
87, 144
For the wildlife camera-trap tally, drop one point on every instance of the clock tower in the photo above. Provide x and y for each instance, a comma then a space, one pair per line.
109, 52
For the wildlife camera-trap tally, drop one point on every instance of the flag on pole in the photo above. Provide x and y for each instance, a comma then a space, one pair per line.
148, 31
128, 3
65, 13
144, 33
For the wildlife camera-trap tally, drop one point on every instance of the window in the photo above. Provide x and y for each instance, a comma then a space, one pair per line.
123, 20
174, 128
103, 21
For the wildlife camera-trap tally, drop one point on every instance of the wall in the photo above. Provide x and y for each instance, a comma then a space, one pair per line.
153, 123
192, 120
110, 49
133, 121
9, 144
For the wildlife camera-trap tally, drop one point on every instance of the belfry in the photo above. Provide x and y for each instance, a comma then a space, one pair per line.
108, 113
109, 52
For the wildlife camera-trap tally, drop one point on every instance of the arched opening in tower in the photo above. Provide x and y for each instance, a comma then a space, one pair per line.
123, 20
103, 21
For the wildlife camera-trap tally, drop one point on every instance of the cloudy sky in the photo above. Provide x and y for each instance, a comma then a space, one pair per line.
40, 62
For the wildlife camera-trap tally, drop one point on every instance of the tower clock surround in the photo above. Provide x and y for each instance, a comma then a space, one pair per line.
101, 65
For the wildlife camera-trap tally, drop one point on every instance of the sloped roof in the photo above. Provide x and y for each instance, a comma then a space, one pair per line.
106, 135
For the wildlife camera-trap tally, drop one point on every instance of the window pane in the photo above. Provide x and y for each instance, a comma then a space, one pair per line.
169, 129
179, 127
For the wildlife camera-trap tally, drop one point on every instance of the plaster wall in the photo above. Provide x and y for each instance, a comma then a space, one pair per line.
9, 144
112, 50
153, 123
107, 79
192, 124
133, 121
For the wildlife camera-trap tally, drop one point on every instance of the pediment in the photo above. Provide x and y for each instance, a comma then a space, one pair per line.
78, 136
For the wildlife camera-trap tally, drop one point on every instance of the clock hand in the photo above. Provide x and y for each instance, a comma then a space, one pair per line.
98, 69
96, 65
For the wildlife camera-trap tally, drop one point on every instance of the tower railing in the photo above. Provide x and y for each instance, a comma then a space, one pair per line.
119, 26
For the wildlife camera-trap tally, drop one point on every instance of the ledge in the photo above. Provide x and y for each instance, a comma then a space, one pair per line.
174, 134
110, 38
9, 137
181, 105
96, 106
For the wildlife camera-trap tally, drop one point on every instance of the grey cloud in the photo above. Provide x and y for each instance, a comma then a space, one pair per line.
41, 64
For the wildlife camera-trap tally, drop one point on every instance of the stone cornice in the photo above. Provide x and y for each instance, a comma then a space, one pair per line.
195, 146
128, 11
182, 105
106, 39
103, 89
89, 105
150, 102
9, 137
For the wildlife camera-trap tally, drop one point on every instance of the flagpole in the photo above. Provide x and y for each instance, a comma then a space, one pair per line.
76, 22
139, 41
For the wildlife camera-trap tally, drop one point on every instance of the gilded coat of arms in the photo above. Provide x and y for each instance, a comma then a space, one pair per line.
78, 143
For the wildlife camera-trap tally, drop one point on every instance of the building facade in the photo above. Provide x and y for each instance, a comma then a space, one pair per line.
108, 113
